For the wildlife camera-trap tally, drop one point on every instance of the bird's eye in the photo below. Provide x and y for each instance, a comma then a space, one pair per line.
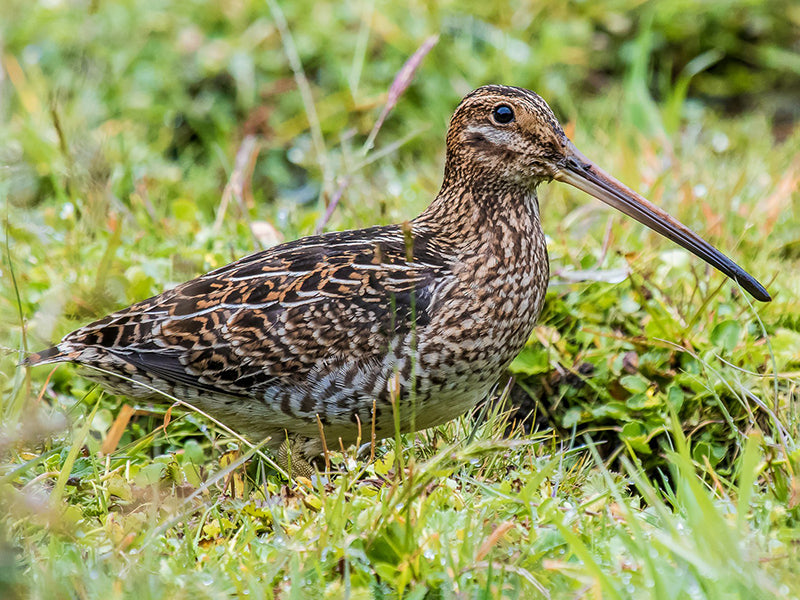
503, 114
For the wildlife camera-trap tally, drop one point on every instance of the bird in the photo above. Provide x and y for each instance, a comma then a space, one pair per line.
402, 326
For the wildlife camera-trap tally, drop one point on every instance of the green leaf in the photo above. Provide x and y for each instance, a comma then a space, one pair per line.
150, 474
675, 397
636, 384
637, 401
705, 450
531, 361
635, 435
119, 487
726, 334
193, 452
612, 410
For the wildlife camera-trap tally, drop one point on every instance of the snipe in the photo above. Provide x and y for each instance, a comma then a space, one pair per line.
322, 327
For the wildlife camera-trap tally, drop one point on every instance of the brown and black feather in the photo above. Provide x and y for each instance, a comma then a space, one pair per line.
324, 326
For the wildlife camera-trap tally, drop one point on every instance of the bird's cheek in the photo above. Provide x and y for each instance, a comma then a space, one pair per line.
537, 169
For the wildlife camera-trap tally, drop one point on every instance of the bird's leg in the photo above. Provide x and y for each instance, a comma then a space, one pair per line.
297, 455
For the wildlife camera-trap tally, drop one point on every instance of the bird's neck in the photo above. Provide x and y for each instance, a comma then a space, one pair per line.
483, 215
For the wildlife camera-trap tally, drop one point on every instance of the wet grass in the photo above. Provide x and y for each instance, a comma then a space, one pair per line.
661, 459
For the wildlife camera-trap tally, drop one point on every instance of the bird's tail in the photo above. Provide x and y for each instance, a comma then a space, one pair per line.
44, 357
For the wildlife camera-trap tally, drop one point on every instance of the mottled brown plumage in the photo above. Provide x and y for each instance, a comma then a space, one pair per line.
323, 326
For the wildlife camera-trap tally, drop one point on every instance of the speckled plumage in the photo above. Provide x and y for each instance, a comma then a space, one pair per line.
323, 326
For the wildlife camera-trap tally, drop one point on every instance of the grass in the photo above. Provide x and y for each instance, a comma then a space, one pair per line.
662, 457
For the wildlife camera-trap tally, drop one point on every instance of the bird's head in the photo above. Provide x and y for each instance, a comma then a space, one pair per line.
507, 136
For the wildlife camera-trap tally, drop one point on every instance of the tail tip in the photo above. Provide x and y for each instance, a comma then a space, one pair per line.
43, 356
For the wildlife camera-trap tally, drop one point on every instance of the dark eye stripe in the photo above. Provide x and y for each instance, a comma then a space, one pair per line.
503, 114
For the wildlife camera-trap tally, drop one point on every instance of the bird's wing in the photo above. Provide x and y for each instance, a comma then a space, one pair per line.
278, 313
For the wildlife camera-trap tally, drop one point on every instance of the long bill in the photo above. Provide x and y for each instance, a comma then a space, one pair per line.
584, 175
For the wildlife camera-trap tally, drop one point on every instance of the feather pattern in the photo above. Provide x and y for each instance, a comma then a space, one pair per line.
323, 327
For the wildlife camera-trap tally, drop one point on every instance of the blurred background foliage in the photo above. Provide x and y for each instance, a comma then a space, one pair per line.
189, 79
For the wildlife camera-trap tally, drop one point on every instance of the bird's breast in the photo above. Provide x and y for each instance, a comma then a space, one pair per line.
486, 314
